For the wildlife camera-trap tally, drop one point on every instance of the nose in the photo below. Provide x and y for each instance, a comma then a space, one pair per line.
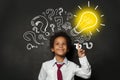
61, 45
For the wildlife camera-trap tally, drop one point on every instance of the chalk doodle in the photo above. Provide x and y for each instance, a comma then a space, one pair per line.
56, 11
40, 21
87, 37
82, 38
47, 34
50, 13
27, 35
35, 29
43, 13
69, 15
60, 11
49, 22
30, 46
66, 26
88, 45
59, 21
76, 45
79, 39
41, 36
52, 27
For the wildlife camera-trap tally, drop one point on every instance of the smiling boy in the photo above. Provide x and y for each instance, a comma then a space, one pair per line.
60, 68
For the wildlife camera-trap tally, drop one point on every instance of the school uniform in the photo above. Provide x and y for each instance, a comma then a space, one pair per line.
68, 70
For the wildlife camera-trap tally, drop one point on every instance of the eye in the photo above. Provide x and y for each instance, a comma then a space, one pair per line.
64, 43
56, 43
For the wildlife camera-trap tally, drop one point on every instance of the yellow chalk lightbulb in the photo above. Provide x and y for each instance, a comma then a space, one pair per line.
87, 21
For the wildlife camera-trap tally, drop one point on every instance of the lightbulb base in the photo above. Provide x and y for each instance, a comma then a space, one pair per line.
74, 32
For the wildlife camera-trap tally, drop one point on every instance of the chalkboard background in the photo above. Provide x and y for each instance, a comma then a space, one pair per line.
17, 63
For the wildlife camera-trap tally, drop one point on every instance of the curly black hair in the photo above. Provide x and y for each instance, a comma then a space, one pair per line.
59, 34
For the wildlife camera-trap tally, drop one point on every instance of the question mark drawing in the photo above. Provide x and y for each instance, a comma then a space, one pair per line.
59, 21
56, 11
50, 13
60, 11
40, 21
88, 45
30, 46
52, 27
35, 29
32, 34
76, 44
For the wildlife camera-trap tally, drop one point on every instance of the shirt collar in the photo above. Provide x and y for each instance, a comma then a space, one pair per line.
65, 61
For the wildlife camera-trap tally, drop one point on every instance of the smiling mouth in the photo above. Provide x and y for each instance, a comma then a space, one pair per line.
60, 49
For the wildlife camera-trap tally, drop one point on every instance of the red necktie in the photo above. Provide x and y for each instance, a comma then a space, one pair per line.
59, 73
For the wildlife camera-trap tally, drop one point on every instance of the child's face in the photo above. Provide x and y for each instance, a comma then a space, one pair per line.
60, 46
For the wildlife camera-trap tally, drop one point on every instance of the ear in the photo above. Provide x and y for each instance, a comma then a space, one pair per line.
52, 49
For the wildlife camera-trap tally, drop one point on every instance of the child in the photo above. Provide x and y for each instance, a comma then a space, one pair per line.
60, 68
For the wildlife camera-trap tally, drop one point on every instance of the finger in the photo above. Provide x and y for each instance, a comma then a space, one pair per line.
78, 45
83, 51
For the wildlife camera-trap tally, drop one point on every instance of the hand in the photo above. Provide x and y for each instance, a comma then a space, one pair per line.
81, 52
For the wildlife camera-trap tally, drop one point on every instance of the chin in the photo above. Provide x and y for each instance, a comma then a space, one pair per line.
61, 54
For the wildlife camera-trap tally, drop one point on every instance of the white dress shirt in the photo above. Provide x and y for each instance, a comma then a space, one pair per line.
69, 69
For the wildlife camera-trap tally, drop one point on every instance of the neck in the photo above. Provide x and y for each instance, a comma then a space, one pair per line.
59, 58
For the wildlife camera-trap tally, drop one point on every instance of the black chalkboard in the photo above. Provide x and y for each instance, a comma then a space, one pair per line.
20, 61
